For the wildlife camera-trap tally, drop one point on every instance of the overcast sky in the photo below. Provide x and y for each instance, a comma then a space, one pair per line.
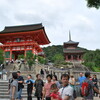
58, 17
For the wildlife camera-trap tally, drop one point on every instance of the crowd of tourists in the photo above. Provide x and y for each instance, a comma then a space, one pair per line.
52, 89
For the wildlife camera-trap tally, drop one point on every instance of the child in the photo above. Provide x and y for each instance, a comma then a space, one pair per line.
54, 93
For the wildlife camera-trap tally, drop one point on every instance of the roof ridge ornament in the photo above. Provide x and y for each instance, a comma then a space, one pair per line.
69, 36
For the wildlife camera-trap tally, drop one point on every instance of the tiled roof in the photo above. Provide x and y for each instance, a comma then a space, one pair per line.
71, 42
76, 50
22, 28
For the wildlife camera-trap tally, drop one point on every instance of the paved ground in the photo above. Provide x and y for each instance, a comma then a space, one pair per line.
79, 98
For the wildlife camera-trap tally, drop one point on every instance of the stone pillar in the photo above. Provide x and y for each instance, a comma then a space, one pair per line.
78, 57
71, 71
72, 57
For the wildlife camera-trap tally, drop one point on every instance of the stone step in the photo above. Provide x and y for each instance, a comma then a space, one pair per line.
6, 93
6, 86
7, 96
6, 90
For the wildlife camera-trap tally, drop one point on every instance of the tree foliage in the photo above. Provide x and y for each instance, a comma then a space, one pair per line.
41, 60
1, 56
58, 58
51, 51
21, 57
93, 3
92, 58
30, 58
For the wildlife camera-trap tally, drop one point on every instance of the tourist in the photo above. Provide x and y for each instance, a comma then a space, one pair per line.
81, 79
92, 87
38, 87
54, 93
54, 79
4, 72
72, 84
42, 73
66, 92
30, 84
95, 80
72, 81
46, 90
14, 87
9, 84
20, 85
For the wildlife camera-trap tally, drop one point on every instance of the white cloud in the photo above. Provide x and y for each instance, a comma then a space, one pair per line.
58, 17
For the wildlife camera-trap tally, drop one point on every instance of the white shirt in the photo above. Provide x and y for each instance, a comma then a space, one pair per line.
66, 91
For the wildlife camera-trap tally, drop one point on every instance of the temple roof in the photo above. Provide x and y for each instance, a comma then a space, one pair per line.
76, 50
22, 28
71, 42
36, 30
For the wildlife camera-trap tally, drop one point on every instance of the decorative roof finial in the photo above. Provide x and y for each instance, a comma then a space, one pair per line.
69, 36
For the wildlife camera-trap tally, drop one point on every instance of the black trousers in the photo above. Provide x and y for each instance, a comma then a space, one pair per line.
29, 94
48, 98
39, 98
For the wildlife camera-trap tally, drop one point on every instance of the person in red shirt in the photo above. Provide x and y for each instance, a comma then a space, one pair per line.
47, 86
54, 92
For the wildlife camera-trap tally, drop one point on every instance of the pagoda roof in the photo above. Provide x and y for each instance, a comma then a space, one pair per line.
71, 42
76, 50
22, 28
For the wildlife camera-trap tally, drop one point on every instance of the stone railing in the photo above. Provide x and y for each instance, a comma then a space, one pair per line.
75, 73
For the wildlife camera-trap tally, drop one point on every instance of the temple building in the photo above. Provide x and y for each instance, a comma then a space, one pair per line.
72, 52
18, 40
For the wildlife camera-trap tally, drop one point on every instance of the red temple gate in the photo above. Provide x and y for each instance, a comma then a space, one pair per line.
18, 40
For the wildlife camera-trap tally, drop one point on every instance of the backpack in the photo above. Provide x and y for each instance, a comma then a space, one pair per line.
85, 88
9, 83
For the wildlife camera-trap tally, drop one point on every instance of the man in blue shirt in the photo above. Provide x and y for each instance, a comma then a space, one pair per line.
81, 79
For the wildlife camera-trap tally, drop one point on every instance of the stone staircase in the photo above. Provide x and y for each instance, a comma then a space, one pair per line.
79, 67
4, 90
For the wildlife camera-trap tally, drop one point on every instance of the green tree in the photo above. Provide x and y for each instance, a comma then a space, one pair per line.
30, 57
93, 3
41, 60
51, 51
58, 58
92, 59
1, 56
21, 57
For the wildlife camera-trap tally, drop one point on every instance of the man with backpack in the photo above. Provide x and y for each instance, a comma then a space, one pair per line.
88, 87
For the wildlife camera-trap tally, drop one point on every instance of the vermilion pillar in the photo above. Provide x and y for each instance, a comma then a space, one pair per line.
10, 55
25, 53
66, 57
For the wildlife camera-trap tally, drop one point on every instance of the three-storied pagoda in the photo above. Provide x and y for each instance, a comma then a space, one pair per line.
71, 51
18, 40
